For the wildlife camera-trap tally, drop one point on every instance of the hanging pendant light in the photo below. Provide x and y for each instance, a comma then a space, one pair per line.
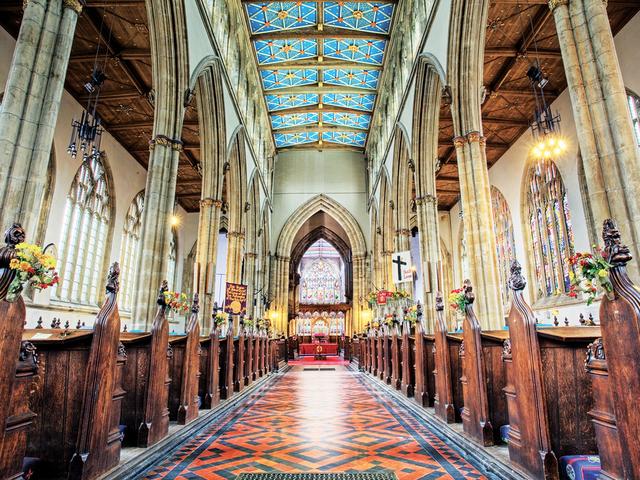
86, 133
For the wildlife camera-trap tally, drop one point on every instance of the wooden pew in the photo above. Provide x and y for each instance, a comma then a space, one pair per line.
455, 348
422, 370
255, 370
443, 401
184, 369
408, 361
78, 394
238, 361
226, 362
386, 355
548, 390
210, 369
603, 415
18, 366
378, 354
146, 381
475, 413
248, 357
395, 355
620, 320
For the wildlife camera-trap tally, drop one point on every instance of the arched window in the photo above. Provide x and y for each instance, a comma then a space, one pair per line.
550, 228
634, 108
84, 235
173, 259
505, 242
321, 275
129, 250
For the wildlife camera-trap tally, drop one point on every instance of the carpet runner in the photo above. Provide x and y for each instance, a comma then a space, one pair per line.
329, 360
316, 422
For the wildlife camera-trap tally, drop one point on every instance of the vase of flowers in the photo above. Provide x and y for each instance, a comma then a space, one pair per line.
32, 268
177, 302
219, 319
591, 274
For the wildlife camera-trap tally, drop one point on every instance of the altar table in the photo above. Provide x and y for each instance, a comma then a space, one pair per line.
318, 349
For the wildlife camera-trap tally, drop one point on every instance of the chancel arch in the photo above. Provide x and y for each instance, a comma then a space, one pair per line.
319, 210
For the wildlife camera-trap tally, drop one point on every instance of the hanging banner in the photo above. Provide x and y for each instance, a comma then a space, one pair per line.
381, 297
401, 267
235, 299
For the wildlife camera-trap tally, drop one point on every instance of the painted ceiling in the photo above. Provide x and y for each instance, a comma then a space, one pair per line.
320, 63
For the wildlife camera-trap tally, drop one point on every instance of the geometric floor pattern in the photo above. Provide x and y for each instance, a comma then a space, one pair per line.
316, 422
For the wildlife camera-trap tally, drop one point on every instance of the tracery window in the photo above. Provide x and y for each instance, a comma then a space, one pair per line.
550, 228
321, 275
130, 250
505, 242
84, 234
634, 108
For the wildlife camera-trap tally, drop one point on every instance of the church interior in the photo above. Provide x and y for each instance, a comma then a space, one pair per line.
320, 239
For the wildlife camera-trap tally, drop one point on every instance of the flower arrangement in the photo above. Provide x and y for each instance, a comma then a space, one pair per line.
457, 301
219, 319
33, 267
591, 272
372, 298
411, 314
388, 319
248, 323
400, 295
177, 302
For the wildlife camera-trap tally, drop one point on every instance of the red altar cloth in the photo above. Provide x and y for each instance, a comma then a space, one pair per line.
318, 349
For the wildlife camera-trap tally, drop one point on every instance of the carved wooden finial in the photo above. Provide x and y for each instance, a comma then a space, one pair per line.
581, 319
556, 322
195, 307
162, 301
53, 322
468, 292
113, 279
516, 280
595, 351
439, 302
125, 328
78, 325
566, 322
14, 235
39, 323
617, 254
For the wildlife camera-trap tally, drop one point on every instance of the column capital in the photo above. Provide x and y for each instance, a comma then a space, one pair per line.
235, 235
164, 141
427, 198
403, 232
74, 5
210, 202
251, 255
459, 141
473, 137
553, 4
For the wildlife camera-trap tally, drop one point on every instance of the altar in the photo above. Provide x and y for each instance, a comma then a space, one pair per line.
318, 349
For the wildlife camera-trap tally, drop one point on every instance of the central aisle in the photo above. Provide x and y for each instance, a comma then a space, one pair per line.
316, 421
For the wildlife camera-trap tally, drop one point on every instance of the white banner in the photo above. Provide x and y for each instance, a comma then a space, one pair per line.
401, 267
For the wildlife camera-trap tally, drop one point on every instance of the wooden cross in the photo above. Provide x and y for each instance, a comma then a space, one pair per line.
398, 261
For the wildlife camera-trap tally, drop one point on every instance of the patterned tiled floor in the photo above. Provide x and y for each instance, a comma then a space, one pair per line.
317, 421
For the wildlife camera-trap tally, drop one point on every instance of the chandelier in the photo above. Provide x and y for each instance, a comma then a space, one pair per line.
86, 133
545, 127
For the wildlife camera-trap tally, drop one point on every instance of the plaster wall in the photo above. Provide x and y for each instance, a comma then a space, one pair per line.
301, 175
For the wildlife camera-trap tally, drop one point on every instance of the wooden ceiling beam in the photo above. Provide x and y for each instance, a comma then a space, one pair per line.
525, 93
140, 126
447, 191
508, 122
134, 54
523, 45
120, 95
513, 52
316, 128
322, 65
324, 146
326, 88
91, 17
195, 164
317, 109
314, 33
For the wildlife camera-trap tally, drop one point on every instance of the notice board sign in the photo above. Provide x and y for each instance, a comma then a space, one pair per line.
235, 299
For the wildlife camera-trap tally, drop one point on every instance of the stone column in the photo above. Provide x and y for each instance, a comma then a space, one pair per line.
235, 256
156, 226
250, 276
206, 255
605, 132
360, 284
427, 215
280, 285
30, 107
479, 234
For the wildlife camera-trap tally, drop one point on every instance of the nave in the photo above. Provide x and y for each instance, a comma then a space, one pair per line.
329, 421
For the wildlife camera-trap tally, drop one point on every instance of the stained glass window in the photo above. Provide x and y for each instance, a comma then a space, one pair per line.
321, 275
634, 108
173, 260
129, 251
84, 234
550, 229
505, 242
